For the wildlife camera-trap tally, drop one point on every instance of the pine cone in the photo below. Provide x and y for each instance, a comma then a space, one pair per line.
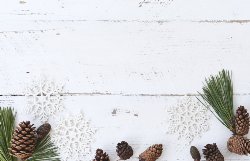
152, 153
100, 156
241, 121
195, 153
23, 141
124, 151
239, 145
212, 153
43, 131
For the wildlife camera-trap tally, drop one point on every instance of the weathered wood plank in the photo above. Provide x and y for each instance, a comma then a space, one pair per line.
123, 58
147, 127
124, 63
125, 10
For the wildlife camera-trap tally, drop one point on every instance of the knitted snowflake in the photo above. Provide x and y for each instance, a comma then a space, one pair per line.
44, 99
73, 136
188, 119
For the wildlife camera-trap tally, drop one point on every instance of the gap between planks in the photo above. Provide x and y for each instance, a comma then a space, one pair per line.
125, 21
121, 94
241, 21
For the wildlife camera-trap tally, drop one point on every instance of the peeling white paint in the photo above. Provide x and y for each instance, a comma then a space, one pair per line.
124, 62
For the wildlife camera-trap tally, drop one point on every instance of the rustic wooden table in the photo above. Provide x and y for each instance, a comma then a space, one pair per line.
122, 64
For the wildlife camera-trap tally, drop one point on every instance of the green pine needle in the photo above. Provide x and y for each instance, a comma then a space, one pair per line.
45, 151
218, 93
7, 124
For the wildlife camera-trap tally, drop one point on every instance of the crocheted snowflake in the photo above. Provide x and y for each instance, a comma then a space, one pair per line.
44, 99
73, 136
188, 119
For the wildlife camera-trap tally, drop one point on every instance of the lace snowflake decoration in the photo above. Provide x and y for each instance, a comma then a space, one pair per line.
73, 136
188, 119
44, 99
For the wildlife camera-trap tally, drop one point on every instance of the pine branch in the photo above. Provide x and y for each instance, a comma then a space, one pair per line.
45, 151
218, 93
7, 125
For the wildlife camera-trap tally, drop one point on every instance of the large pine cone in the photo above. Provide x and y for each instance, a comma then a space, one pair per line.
124, 151
23, 141
152, 153
43, 131
241, 121
212, 153
195, 153
100, 156
239, 145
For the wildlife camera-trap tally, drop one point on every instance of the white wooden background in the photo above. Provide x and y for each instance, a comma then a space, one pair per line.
132, 55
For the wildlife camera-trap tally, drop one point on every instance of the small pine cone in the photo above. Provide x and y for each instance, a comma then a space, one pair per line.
100, 156
152, 153
241, 121
239, 145
212, 153
195, 153
43, 131
124, 151
23, 141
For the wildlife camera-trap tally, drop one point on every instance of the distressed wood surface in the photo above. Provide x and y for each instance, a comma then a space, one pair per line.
123, 63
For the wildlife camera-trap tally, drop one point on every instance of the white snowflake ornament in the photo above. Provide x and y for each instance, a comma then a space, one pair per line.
44, 99
73, 136
188, 119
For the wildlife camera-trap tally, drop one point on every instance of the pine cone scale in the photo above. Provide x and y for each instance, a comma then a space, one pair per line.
23, 141
124, 151
152, 153
101, 156
239, 145
212, 153
241, 121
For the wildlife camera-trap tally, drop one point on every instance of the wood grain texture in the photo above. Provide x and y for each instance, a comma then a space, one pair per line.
141, 121
124, 58
123, 63
127, 10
